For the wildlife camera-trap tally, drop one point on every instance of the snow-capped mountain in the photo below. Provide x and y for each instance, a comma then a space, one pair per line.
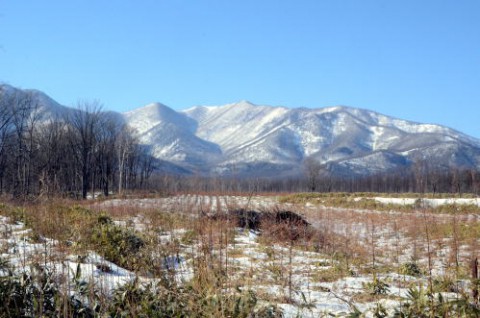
248, 140
44, 106
172, 136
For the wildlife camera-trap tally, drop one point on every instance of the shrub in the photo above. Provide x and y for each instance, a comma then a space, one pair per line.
377, 287
117, 244
27, 294
411, 269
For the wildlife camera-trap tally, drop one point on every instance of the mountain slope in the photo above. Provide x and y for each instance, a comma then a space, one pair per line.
244, 139
44, 106
171, 136
357, 141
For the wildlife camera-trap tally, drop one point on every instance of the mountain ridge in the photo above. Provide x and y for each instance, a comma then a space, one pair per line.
252, 135
246, 139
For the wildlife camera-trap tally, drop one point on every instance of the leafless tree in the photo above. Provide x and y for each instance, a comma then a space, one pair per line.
106, 161
5, 131
71, 152
126, 147
55, 160
312, 169
84, 124
24, 117
420, 170
147, 165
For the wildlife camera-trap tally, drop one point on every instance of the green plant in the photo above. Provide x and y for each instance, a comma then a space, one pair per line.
422, 304
30, 293
377, 287
83, 301
331, 274
379, 311
16, 214
411, 269
188, 237
417, 304
444, 284
117, 244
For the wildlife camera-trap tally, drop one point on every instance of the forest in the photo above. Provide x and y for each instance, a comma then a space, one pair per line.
68, 155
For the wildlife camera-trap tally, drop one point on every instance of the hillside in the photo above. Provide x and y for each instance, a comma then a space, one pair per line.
244, 139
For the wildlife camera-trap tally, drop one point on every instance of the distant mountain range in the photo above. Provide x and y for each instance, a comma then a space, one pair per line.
244, 139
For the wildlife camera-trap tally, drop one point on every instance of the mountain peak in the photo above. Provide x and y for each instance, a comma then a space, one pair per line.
154, 105
253, 140
154, 114
245, 102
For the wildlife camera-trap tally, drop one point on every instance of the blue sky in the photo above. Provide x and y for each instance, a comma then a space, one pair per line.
417, 60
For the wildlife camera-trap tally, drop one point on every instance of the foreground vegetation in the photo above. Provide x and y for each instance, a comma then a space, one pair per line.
185, 256
33, 289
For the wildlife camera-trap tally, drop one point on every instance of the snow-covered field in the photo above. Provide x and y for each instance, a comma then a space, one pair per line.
17, 247
429, 202
330, 273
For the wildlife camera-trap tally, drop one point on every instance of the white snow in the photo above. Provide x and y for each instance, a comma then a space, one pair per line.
429, 201
263, 268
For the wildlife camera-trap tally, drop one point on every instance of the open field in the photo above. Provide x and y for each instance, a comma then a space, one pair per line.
188, 255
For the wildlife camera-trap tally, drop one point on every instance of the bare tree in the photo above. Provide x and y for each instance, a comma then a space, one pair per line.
147, 165
126, 146
24, 116
312, 172
76, 151
55, 158
475, 181
106, 159
5, 131
85, 123
420, 170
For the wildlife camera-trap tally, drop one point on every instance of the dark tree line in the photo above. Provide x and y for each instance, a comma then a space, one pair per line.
409, 179
74, 153
453, 180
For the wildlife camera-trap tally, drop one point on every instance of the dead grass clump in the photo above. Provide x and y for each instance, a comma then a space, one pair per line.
330, 274
215, 231
243, 218
275, 226
59, 222
286, 232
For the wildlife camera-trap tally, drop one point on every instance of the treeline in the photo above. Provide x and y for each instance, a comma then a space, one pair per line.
73, 153
408, 180
434, 180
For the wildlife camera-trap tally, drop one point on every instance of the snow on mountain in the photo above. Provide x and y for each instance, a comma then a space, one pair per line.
234, 125
353, 140
172, 136
143, 119
44, 106
246, 139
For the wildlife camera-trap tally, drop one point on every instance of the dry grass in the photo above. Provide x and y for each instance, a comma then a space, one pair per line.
344, 242
366, 201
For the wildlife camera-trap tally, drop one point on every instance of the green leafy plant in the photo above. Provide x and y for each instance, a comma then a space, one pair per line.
411, 269
377, 287
117, 244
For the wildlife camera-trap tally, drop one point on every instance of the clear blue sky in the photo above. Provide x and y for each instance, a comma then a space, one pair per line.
417, 60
